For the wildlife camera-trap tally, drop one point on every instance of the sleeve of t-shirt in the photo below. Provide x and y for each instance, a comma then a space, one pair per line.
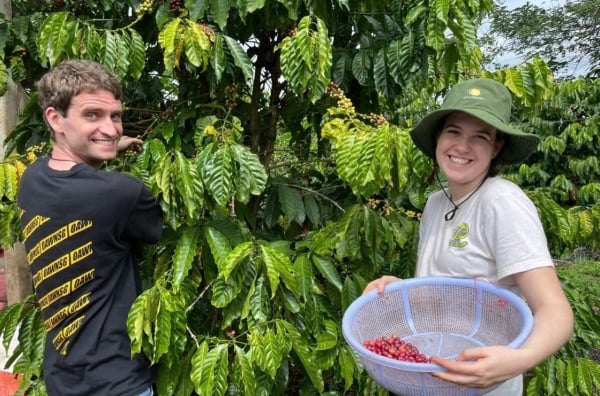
516, 235
145, 220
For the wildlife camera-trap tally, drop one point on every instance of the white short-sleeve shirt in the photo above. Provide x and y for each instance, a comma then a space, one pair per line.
494, 234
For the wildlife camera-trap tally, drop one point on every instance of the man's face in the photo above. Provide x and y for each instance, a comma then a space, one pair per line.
91, 129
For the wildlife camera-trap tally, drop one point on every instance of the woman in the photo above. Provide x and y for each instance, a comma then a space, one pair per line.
482, 226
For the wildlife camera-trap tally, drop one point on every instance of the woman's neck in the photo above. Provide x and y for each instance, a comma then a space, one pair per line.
460, 191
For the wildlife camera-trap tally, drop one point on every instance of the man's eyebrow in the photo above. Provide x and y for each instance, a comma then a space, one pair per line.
100, 109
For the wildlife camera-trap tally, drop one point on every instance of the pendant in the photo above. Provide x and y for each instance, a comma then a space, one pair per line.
450, 215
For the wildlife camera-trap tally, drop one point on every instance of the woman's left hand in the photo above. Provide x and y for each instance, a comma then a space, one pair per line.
481, 367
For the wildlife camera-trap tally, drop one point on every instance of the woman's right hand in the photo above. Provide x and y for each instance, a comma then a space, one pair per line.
379, 284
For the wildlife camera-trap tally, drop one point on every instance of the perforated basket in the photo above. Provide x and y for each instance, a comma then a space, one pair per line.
441, 316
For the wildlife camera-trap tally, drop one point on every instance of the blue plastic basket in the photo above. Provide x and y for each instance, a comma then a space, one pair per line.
441, 316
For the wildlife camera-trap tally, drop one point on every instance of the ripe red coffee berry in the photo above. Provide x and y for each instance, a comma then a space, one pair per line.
396, 348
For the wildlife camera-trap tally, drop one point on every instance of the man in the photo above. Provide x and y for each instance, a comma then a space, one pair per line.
81, 228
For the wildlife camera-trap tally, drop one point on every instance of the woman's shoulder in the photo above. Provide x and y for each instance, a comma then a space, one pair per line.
497, 185
500, 192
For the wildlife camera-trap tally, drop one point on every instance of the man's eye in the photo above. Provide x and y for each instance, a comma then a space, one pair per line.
116, 117
92, 116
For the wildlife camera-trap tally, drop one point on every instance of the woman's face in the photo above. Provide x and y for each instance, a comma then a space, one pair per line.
465, 148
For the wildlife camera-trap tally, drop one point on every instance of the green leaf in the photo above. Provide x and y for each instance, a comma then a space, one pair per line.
162, 328
308, 359
3, 79
197, 45
252, 177
312, 209
110, 51
347, 366
240, 57
435, 33
218, 243
328, 270
326, 341
291, 203
381, 74
255, 304
209, 370
584, 379
196, 8
265, 351
123, 59
362, 67
138, 54
188, 186
170, 40
91, 44
244, 369
218, 173
55, 35
217, 59
223, 293
415, 14
278, 266
139, 318
239, 254
220, 11
8, 181
306, 58
185, 253
305, 276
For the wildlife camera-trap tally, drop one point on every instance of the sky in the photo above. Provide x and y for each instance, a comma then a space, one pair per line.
512, 59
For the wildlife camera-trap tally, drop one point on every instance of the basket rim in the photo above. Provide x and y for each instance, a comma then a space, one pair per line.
481, 283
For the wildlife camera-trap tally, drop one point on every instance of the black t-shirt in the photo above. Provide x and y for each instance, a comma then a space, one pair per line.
81, 228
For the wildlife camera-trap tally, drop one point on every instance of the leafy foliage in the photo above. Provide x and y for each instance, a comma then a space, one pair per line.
575, 370
276, 141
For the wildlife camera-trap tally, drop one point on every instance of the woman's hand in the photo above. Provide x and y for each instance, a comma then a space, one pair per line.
380, 283
482, 367
553, 325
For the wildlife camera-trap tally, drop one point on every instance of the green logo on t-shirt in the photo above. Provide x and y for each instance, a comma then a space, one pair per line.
460, 235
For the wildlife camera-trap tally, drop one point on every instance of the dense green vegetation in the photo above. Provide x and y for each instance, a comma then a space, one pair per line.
276, 139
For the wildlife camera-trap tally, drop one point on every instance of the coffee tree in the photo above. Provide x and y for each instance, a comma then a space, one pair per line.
276, 140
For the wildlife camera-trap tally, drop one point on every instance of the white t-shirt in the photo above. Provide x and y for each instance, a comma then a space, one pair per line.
494, 234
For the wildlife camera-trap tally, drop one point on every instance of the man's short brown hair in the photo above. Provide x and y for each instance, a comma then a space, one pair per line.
72, 77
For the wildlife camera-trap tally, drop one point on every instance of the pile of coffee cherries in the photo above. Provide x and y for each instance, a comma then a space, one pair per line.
396, 348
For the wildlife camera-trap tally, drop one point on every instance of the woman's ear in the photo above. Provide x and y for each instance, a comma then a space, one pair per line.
498, 144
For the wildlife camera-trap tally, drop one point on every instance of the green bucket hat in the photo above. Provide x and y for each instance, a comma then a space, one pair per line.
487, 100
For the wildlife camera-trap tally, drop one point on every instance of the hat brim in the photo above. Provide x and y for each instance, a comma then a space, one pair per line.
518, 145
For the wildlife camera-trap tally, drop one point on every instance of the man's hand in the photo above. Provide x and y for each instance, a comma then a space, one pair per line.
127, 141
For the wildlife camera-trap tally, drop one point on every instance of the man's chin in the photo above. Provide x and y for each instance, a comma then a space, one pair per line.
97, 161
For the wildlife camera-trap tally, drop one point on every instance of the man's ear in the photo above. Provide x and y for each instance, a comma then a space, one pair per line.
53, 118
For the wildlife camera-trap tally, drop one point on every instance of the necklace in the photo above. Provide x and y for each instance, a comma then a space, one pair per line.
63, 160
452, 212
